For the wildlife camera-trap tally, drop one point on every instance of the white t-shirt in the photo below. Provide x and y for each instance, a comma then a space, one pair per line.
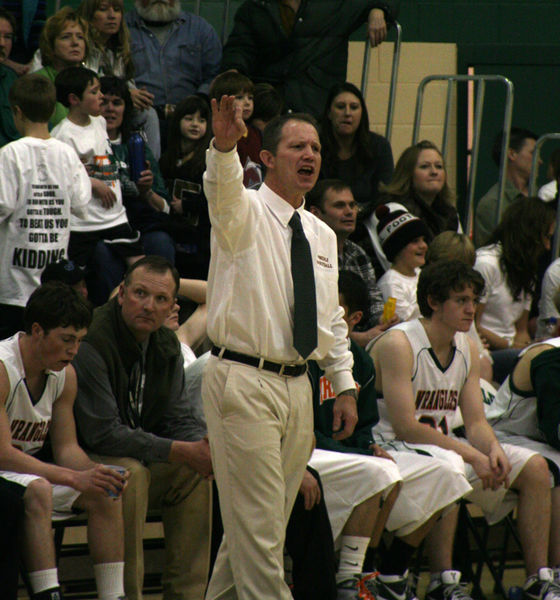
91, 142
42, 182
403, 289
550, 295
501, 311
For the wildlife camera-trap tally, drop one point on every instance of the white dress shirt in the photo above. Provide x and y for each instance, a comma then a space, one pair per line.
250, 290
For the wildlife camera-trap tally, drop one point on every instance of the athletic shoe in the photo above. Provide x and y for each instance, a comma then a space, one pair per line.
391, 587
449, 587
355, 588
542, 586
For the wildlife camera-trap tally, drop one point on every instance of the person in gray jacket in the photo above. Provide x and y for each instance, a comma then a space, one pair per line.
132, 408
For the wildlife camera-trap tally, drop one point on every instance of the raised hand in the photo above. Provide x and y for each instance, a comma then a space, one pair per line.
227, 123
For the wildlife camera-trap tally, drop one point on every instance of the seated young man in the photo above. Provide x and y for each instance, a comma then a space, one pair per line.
525, 412
426, 369
37, 390
357, 474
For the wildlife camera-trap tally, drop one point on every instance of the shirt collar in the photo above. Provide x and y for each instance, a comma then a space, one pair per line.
281, 209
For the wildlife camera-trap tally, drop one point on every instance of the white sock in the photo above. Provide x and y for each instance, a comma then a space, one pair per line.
352, 555
43, 580
109, 580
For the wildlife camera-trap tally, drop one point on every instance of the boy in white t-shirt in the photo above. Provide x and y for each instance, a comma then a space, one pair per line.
42, 182
85, 130
403, 238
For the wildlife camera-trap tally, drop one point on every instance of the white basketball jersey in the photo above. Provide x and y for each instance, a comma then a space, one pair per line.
436, 388
514, 411
29, 423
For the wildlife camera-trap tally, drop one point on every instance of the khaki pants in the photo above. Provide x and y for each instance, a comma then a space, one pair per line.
185, 501
260, 427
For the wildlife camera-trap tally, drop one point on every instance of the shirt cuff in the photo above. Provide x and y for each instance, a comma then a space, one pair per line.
342, 381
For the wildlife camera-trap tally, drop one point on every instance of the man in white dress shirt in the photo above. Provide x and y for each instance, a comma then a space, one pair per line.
257, 398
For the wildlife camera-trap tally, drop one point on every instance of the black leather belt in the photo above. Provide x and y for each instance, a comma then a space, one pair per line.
260, 363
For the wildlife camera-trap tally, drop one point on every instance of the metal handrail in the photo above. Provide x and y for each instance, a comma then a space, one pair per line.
394, 77
481, 81
533, 185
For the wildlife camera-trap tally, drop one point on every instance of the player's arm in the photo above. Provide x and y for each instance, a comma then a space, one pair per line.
393, 357
88, 475
479, 432
12, 459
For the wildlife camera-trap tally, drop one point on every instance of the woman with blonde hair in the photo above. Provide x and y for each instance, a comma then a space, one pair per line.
418, 186
63, 43
110, 55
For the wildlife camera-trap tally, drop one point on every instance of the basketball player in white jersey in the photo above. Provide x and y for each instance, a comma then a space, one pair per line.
525, 411
426, 370
37, 390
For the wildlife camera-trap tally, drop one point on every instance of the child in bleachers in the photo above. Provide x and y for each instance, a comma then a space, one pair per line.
249, 146
182, 166
85, 130
267, 104
403, 238
42, 182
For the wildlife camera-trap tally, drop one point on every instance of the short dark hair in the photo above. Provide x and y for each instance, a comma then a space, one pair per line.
155, 264
437, 280
56, 304
229, 84
7, 15
73, 80
316, 197
273, 131
35, 96
517, 137
268, 102
354, 291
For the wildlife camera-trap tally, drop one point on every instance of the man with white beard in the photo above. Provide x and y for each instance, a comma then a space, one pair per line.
175, 53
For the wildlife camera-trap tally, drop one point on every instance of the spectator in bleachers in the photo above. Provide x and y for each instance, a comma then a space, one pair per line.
549, 191
249, 146
268, 103
110, 54
548, 321
301, 47
8, 131
518, 171
104, 237
68, 272
509, 266
175, 53
131, 407
145, 200
63, 44
331, 200
37, 392
350, 151
419, 186
403, 238
30, 17
182, 166
42, 183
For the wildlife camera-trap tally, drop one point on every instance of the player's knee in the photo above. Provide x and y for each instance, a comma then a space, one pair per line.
38, 499
535, 474
139, 476
104, 505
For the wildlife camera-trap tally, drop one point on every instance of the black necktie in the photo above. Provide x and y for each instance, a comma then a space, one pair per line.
305, 302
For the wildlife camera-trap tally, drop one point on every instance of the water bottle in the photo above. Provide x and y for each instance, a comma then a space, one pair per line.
515, 593
550, 328
136, 155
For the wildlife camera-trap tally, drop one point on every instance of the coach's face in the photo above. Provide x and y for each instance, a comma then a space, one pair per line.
146, 301
293, 170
